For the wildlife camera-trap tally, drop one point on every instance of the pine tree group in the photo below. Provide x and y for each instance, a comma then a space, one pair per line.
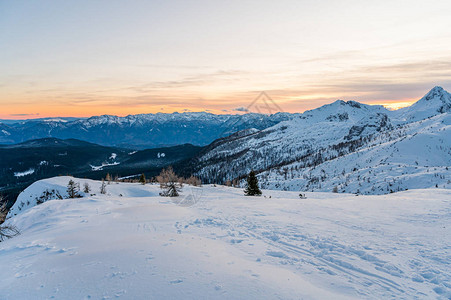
252, 188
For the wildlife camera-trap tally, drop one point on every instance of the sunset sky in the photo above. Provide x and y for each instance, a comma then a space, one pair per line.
83, 58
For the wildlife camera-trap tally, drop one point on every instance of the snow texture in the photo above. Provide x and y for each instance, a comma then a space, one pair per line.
215, 243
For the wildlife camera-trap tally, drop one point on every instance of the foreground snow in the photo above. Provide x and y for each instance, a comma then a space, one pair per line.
215, 243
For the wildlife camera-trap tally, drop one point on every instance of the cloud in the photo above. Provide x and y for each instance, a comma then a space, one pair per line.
191, 81
241, 109
24, 115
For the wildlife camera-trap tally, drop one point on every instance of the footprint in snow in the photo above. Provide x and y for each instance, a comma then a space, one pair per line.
176, 281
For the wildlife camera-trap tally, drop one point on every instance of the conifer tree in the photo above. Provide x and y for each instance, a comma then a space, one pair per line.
86, 188
252, 188
73, 189
142, 179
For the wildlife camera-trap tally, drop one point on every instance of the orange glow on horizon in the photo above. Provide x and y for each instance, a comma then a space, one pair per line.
394, 105
17, 112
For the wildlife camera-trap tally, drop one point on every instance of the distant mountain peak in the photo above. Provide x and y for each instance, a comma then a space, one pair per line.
436, 101
437, 92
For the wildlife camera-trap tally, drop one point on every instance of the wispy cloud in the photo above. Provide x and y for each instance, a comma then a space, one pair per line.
241, 109
24, 115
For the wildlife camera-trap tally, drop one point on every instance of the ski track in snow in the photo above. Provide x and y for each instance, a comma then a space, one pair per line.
228, 246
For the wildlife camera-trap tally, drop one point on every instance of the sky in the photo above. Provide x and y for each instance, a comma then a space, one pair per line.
83, 58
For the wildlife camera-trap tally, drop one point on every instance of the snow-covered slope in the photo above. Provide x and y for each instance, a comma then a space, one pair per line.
417, 155
215, 243
358, 148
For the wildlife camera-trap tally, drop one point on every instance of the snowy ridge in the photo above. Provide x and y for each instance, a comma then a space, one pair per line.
355, 147
134, 244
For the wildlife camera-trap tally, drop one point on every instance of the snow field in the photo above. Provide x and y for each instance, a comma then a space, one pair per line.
215, 243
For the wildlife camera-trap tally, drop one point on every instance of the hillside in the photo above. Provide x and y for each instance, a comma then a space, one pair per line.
215, 243
355, 147
22, 164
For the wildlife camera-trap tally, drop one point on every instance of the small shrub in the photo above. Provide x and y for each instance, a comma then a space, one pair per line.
48, 195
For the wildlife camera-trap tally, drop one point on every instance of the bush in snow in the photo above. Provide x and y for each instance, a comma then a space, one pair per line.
48, 195
252, 188
169, 183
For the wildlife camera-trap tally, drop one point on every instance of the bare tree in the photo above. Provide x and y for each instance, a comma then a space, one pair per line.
103, 187
169, 183
108, 178
194, 181
3, 210
6, 231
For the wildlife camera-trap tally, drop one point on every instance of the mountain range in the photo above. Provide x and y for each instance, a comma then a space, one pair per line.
345, 146
139, 131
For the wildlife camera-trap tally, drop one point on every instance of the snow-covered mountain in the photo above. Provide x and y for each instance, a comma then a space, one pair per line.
140, 131
435, 102
354, 147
